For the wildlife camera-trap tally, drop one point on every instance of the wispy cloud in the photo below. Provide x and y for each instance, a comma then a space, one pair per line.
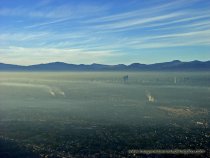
72, 30
42, 10
196, 38
23, 55
151, 10
22, 36
47, 23
136, 22
58, 12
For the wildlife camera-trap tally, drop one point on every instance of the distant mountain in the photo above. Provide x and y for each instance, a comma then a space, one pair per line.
10, 67
175, 65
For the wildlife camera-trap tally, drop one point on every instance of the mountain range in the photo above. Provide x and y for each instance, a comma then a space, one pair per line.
175, 65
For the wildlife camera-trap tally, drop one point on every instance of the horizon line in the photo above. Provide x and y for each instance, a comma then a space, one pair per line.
107, 64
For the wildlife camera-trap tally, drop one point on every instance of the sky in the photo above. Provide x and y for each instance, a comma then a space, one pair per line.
102, 31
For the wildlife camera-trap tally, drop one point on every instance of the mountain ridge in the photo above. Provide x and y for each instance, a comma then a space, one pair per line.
175, 65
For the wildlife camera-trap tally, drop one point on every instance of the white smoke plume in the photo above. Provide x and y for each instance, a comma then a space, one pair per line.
150, 97
51, 90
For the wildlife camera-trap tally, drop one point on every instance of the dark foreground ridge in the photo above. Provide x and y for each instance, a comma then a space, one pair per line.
175, 65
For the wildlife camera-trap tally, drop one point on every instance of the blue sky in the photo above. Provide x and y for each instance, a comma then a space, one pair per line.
102, 31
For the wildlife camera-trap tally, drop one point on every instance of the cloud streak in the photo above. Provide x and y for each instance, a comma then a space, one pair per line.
44, 55
85, 32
